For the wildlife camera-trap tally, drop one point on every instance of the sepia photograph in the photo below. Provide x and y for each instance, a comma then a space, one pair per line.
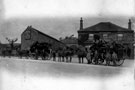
67, 44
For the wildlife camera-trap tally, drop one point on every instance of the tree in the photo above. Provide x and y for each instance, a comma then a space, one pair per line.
60, 38
11, 42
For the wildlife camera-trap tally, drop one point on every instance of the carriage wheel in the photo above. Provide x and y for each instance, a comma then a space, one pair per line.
109, 62
95, 60
100, 61
89, 60
119, 61
112, 63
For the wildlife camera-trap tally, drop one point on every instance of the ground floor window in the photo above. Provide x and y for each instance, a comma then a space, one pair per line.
120, 36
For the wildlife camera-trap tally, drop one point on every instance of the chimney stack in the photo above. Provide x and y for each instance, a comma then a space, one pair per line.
129, 24
81, 24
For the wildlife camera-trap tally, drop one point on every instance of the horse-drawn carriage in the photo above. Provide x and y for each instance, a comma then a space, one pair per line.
40, 50
106, 53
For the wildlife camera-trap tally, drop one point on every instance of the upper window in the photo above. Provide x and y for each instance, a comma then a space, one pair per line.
91, 36
105, 36
120, 36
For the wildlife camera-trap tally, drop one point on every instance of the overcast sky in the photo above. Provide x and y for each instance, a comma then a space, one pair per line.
60, 18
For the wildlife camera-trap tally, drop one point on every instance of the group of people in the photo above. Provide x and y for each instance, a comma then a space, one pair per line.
101, 50
97, 52
66, 54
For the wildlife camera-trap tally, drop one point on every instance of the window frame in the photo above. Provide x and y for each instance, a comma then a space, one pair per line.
120, 36
90, 36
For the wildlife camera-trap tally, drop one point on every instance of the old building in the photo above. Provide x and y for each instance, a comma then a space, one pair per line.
31, 35
109, 32
7, 46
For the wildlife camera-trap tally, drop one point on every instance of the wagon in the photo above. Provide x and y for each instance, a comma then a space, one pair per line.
102, 55
120, 57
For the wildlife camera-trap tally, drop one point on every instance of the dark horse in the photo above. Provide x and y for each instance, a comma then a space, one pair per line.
68, 54
65, 54
61, 55
23, 53
40, 49
81, 55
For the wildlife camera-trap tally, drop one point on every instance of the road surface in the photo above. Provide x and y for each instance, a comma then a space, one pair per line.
27, 74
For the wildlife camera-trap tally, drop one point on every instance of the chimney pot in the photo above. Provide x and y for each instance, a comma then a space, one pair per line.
81, 23
129, 24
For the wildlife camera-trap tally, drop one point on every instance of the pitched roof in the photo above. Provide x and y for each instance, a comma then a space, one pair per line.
105, 26
31, 28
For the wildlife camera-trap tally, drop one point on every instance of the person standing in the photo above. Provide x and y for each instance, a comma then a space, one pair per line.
54, 55
88, 56
81, 54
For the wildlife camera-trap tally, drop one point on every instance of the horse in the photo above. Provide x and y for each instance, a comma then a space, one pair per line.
81, 54
23, 53
40, 49
7, 53
65, 54
68, 55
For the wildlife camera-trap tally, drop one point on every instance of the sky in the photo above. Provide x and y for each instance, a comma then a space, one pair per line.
60, 18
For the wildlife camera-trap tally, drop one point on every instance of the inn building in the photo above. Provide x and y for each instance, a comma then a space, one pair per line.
109, 32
